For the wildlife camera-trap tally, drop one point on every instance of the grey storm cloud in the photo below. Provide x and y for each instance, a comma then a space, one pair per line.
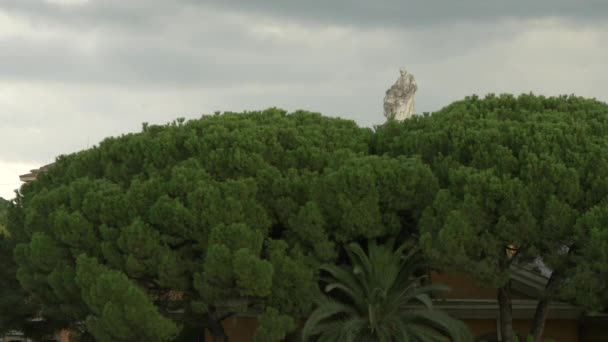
418, 13
166, 46
188, 43
351, 12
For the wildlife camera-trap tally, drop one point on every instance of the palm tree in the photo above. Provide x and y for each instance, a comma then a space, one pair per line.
379, 298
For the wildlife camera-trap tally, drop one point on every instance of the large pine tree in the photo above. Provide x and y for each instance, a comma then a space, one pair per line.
523, 178
198, 220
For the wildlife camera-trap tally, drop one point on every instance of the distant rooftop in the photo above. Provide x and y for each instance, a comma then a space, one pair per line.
33, 174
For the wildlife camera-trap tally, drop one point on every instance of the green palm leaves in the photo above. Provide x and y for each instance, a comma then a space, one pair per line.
378, 297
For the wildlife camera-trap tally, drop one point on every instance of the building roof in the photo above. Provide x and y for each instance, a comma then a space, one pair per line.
33, 174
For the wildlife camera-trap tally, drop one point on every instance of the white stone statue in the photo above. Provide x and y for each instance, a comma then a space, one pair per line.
399, 99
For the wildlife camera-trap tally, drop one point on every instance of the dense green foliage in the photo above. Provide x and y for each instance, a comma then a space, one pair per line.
522, 178
194, 221
179, 226
3, 209
18, 310
379, 297
14, 310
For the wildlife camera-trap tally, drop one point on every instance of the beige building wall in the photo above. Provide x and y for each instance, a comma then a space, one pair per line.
241, 329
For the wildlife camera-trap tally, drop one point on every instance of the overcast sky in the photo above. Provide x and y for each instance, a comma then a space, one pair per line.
74, 71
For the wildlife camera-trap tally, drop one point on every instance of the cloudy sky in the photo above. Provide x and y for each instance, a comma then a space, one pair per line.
75, 71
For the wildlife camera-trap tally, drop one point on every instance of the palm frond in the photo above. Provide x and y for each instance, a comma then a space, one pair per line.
380, 298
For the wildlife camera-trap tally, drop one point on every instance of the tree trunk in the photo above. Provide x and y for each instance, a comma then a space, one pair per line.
65, 335
216, 328
540, 316
506, 313
542, 309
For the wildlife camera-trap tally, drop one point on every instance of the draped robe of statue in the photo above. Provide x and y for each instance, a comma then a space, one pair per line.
399, 99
